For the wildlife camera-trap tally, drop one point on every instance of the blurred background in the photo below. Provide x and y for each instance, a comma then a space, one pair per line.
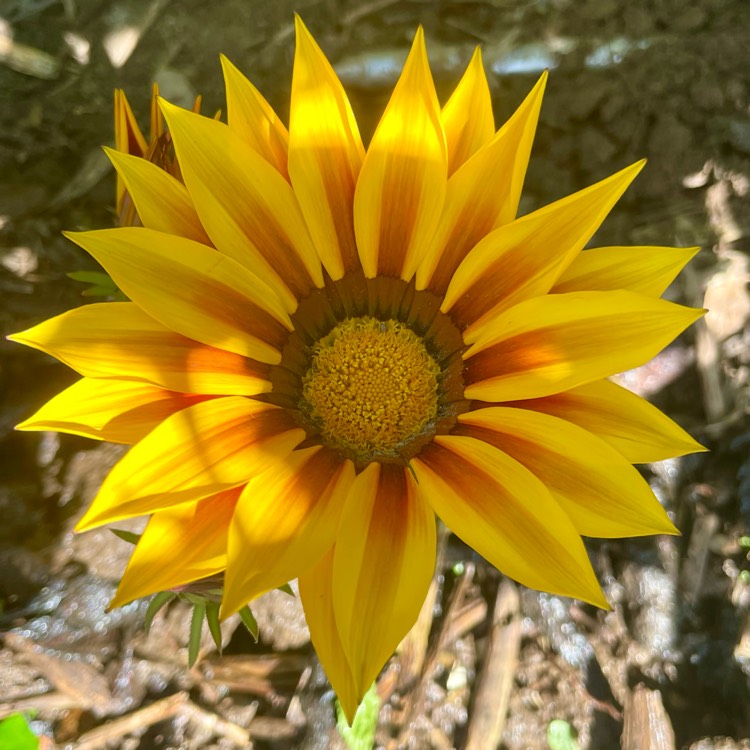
489, 665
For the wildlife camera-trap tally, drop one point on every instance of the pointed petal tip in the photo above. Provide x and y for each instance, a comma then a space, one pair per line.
302, 33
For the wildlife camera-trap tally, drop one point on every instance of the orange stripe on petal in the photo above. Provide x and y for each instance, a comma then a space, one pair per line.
199, 451
119, 340
120, 411
161, 201
524, 259
179, 545
248, 209
285, 521
325, 155
401, 188
192, 289
646, 270
556, 342
316, 593
467, 116
482, 195
253, 118
629, 423
602, 494
383, 565
503, 511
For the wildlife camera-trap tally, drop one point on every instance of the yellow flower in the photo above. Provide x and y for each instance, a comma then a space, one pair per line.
327, 346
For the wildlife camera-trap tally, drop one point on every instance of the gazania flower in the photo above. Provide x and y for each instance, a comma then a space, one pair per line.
330, 345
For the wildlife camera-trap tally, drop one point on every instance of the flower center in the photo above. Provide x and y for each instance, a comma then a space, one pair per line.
371, 387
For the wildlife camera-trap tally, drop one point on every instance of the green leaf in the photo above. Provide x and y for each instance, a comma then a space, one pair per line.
196, 626
212, 618
561, 736
155, 605
15, 734
249, 621
287, 589
126, 536
361, 734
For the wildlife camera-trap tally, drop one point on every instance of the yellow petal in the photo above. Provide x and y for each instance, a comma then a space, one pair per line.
646, 270
401, 187
552, 343
505, 513
128, 136
253, 118
192, 289
382, 568
118, 340
523, 259
630, 424
601, 493
472, 207
467, 116
248, 209
285, 521
162, 202
120, 411
179, 545
325, 155
199, 451
316, 593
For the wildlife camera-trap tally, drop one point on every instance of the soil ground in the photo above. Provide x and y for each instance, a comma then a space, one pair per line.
491, 665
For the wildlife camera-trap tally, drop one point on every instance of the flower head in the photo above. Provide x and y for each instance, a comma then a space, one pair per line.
328, 345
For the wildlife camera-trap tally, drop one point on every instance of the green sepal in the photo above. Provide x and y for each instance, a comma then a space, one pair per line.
212, 618
162, 598
91, 277
361, 734
102, 285
287, 589
196, 626
249, 621
126, 536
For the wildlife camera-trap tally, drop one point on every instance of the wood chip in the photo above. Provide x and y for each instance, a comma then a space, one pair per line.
495, 679
646, 723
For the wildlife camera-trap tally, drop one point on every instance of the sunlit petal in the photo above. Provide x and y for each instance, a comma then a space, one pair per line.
161, 201
118, 340
646, 270
253, 119
383, 565
504, 512
316, 593
471, 210
325, 155
523, 259
556, 342
401, 187
602, 494
467, 116
170, 276
248, 209
199, 451
179, 545
629, 423
120, 411
285, 521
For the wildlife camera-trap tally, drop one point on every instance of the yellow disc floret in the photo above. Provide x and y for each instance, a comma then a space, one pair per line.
371, 386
